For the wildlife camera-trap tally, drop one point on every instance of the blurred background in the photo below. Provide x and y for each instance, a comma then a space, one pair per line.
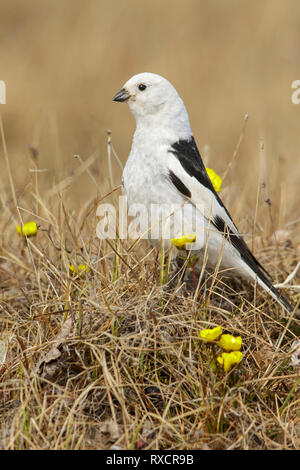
63, 60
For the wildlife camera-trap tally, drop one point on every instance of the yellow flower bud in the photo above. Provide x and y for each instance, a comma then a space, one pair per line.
182, 241
215, 179
230, 343
29, 229
228, 360
72, 269
81, 269
210, 334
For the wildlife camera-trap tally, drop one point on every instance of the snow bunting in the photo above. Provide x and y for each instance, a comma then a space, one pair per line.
165, 167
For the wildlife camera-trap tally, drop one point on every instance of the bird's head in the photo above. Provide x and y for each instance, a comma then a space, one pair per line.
153, 100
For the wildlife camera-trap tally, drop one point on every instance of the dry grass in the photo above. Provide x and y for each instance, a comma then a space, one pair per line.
112, 359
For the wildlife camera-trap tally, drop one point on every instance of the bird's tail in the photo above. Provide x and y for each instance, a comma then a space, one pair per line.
264, 282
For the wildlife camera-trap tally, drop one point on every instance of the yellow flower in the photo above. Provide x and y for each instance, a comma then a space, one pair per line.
228, 360
81, 269
215, 179
29, 229
182, 241
230, 343
212, 334
72, 269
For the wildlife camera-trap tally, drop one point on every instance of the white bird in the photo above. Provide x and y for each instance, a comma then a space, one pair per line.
165, 167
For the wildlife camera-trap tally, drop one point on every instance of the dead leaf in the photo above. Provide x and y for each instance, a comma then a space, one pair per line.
112, 429
49, 364
264, 356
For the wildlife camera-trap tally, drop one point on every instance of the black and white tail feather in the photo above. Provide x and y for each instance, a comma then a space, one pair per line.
165, 165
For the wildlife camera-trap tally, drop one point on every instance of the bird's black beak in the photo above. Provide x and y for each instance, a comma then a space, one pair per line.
122, 95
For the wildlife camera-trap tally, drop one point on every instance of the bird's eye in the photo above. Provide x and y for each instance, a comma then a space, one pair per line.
142, 87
